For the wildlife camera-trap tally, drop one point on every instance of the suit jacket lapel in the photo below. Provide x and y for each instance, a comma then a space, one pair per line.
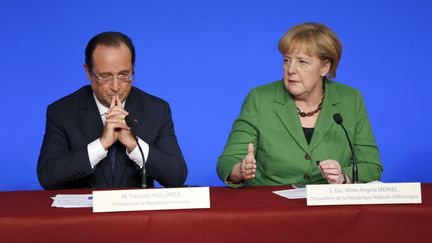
135, 110
325, 120
287, 113
92, 127
91, 122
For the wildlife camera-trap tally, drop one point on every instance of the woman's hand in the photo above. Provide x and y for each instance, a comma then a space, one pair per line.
332, 171
246, 169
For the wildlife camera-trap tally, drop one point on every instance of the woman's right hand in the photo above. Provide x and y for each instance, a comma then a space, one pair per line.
246, 169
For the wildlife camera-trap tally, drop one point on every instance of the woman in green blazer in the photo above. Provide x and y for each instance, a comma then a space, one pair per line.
286, 134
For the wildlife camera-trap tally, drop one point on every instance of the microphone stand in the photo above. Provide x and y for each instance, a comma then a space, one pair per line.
143, 175
354, 160
339, 120
129, 122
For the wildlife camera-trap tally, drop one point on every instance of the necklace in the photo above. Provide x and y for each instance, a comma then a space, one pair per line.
308, 114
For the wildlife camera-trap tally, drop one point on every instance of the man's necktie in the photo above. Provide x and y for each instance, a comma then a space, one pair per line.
112, 155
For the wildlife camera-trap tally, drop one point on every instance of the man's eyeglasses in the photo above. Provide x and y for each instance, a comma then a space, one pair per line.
109, 78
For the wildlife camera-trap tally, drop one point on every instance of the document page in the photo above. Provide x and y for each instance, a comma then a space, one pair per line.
72, 201
296, 193
299, 191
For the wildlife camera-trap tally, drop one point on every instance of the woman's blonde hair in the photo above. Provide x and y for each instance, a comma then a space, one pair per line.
317, 40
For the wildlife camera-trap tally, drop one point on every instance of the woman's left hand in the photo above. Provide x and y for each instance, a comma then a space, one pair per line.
331, 171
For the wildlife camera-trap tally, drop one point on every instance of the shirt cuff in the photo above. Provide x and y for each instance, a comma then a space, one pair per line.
135, 155
96, 152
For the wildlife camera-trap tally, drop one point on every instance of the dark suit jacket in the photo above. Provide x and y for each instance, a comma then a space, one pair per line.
74, 121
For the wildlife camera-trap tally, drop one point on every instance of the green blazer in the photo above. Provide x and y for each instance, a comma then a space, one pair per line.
269, 120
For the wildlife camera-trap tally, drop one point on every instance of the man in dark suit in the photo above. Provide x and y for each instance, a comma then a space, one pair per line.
87, 141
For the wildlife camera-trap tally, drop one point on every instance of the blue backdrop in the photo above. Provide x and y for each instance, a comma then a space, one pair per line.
203, 57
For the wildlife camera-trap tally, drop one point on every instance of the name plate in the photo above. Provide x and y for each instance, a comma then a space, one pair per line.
351, 194
151, 199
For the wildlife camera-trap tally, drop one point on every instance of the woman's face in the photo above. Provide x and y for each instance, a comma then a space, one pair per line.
303, 74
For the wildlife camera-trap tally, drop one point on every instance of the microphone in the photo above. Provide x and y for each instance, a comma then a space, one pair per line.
339, 120
131, 122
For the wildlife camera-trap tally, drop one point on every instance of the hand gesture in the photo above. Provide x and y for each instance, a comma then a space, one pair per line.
116, 127
246, 169
331, 171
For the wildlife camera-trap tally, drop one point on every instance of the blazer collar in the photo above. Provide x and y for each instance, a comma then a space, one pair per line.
132, 103
286, 110
135, 108
325, 120
287, 113
91, 122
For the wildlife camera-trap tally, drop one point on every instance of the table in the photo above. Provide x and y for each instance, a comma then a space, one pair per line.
251, 214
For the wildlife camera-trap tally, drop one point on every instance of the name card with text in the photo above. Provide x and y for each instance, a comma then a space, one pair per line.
151, 199
350, 194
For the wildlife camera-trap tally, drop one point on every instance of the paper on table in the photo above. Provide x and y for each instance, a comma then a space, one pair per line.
72, 201
299, 191
296, 193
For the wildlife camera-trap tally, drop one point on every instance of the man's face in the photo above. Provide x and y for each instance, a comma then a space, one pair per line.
110, 62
